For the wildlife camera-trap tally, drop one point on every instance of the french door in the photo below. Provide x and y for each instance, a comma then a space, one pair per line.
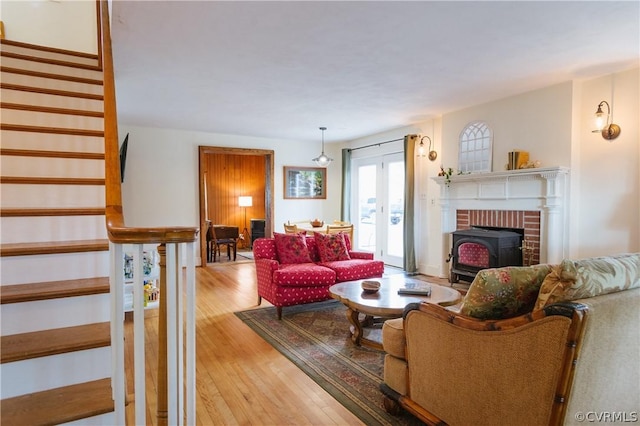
379, 193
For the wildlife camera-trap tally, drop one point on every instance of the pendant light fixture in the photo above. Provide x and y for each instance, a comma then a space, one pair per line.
322, 160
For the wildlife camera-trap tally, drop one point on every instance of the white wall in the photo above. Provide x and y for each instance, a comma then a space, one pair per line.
161, 176
74, 28
538, 122
607, 206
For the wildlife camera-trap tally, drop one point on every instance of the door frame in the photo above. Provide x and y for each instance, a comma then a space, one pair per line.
383, 205
269, 200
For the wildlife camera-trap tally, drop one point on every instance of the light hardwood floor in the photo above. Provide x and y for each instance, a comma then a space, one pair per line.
241, 379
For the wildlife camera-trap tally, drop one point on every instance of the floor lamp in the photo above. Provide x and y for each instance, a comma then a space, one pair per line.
245, 202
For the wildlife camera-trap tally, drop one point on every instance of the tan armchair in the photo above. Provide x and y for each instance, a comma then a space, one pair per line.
543, 368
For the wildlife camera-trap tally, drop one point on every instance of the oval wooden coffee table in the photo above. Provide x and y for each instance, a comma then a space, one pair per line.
384, 304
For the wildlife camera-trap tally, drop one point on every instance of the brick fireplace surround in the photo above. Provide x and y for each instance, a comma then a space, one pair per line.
535, 200
529, 221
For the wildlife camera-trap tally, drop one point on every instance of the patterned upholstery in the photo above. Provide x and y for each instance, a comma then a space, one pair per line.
292, 248
331, 247
473, 254
298, 283
355, 269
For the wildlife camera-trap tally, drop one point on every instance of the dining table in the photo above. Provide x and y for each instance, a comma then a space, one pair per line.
308, 227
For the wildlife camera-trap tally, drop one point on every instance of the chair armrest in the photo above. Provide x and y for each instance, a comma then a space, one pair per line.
360, 255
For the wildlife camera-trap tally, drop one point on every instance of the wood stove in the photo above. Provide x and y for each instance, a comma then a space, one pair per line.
481, 248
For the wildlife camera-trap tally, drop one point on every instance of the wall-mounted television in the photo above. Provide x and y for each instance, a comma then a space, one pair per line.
123, 156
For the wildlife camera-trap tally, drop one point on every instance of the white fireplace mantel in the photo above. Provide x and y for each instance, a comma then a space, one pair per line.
540, 189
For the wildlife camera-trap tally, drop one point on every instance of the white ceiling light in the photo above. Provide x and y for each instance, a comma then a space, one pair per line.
323, 160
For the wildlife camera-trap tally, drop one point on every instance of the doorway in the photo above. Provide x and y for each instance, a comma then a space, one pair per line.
225, 175
379, 184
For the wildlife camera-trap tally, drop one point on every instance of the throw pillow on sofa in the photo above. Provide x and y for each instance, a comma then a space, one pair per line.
291, 248
581, 279
506, 292
332, 247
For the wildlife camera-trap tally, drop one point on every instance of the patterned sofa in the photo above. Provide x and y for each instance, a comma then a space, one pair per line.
294, 269
540, 345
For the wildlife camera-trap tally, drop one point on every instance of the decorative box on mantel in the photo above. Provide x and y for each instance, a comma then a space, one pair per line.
543, 190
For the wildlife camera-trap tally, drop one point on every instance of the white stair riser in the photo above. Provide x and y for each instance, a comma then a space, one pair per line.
108, 419
49, 55
51, 83
45, 119
47, 100
51, 167
51, 196
49, 68
51, 142
54, 313
51, 228
35, 375
53, 267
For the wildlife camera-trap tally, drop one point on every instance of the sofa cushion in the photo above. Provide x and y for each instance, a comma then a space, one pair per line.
331, 247
506, 292
581, 279
355, 269
292, 248
303, 275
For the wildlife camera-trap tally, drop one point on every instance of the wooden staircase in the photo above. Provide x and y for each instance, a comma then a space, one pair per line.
55, 332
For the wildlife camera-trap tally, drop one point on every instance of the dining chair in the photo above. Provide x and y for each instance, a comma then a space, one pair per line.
290, 229
336, 229
223, 236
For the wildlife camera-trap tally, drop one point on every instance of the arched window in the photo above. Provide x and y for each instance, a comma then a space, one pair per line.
475, 148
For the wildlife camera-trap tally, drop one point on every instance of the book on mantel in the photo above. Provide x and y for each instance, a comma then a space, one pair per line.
416, 288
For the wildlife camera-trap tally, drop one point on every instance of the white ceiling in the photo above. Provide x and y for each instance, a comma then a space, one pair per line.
283, 69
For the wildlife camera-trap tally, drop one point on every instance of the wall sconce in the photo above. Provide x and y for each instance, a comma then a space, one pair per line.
608, 131
421, 149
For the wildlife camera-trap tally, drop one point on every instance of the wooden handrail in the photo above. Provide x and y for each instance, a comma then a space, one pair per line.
116, 229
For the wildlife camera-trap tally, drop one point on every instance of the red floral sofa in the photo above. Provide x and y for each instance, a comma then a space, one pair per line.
293, 269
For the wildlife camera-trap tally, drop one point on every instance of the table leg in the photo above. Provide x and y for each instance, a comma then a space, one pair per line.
356, 331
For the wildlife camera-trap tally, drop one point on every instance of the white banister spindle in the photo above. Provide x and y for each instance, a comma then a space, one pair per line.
138, 332
191, 335
172, 374
116, 283
179, 327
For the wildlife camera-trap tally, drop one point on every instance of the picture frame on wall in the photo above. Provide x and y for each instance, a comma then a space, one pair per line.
305, 182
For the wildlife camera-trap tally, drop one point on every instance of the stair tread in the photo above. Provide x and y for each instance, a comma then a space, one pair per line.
18, 347
56, 130
17, 293
54, 211
49, 247
59, 405
27, 180
52, 154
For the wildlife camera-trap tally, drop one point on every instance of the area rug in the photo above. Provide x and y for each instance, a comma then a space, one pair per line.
316, 338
